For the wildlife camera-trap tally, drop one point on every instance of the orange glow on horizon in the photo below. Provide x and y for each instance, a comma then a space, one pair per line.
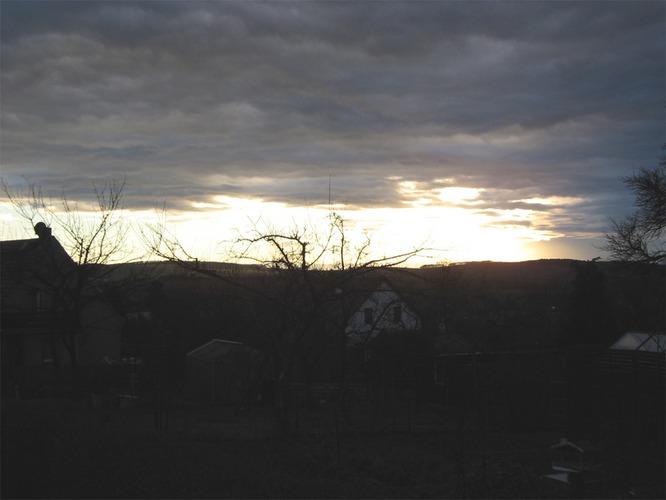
447, 222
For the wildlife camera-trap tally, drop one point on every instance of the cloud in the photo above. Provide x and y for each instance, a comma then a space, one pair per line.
522, 100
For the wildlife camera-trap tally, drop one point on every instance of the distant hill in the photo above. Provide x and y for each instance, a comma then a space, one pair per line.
494, 305
526, 274
544, 272
159, 269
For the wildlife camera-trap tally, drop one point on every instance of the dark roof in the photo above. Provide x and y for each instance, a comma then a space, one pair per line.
19, 253
580, 446
10, 246
217, 348
40, 264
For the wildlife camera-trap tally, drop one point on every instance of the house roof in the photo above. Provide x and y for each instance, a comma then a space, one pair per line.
14, 246
32, 263
641, 341
20, 253
37, 265
45, 250
217, 348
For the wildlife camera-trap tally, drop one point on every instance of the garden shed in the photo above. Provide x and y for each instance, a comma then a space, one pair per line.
221, 371
641, 341
639, 354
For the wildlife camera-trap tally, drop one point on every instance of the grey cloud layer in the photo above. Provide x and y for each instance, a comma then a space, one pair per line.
194, 99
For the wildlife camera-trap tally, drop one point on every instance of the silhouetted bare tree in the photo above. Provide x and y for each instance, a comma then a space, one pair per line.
290, 296
640, 237
93, 237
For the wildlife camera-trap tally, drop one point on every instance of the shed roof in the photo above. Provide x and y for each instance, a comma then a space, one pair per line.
580, 446
641, 341
217, 348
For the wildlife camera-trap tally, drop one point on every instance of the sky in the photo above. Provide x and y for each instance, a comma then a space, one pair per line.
481, 130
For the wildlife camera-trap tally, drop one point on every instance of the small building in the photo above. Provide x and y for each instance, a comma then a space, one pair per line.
576, 467
50, 313
383, 310
386, 349
223, 372
641, 341
640, 354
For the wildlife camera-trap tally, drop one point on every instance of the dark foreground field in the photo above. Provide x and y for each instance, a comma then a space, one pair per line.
70, 449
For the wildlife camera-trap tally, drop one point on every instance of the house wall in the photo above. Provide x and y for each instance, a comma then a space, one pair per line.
34, 354
33, 349
382, 303
102, 328
28, 360
223, 381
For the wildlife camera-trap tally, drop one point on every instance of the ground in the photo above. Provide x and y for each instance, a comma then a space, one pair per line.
69, 448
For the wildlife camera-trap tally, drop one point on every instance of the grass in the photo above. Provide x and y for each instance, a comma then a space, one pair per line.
68, 449
64, 449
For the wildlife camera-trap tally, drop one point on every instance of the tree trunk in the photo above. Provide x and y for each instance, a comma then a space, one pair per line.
69, 341
282, 405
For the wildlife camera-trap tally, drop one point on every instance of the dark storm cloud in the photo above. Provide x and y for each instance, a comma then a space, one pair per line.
197, 99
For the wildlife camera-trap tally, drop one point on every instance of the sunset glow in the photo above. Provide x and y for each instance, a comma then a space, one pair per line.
441, 125
445, 224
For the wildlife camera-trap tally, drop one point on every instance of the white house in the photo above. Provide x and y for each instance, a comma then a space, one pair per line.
382, 310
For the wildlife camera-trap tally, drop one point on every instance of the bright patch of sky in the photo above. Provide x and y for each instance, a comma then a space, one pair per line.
489, 131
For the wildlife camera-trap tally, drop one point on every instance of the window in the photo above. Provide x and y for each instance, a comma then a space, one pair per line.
367, 312
397, 313
42, 300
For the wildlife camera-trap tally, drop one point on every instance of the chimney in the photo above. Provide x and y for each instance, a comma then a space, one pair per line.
42, 230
